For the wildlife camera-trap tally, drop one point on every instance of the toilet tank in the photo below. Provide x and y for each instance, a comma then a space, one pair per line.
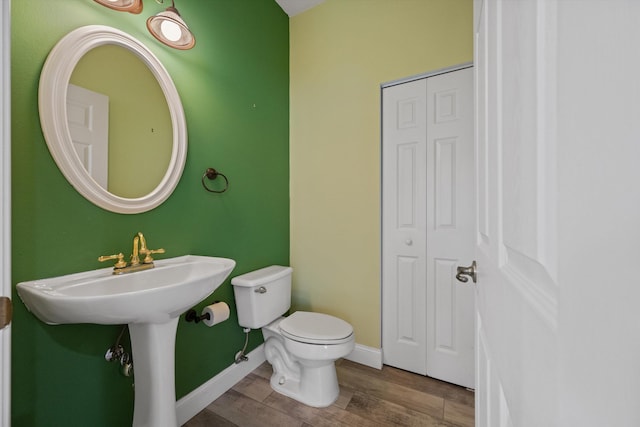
262, 295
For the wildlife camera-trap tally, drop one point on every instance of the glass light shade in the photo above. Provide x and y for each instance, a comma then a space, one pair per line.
169, 28
131, 6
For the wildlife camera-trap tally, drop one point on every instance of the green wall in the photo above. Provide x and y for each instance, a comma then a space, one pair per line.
234, 88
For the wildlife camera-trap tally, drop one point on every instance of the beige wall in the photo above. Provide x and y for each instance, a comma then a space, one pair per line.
341, 51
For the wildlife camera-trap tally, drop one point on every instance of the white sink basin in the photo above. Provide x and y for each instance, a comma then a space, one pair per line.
150, 296
150, 302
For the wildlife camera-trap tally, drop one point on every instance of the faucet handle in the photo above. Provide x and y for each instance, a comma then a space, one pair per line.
120, 263
148, 252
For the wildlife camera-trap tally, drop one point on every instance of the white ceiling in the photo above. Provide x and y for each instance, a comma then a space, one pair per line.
294, 7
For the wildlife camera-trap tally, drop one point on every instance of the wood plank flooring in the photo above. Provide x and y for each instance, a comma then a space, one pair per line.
368, 397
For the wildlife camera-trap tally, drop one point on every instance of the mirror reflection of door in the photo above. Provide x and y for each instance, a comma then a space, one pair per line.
140, 132
88, 117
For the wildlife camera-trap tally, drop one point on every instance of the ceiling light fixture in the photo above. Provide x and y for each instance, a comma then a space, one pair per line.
169, 28
131, 6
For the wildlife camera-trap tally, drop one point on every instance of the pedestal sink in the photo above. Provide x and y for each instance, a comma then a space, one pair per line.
150, 302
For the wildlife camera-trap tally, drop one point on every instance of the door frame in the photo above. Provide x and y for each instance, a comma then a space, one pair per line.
420, 77
383, 86
5, 212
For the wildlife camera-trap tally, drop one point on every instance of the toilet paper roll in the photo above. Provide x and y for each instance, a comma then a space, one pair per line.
218, 312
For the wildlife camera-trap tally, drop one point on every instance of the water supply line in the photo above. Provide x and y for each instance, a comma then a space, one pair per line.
241, 356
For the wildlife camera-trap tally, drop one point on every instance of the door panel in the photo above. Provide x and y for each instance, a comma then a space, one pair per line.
450, 227
404, 224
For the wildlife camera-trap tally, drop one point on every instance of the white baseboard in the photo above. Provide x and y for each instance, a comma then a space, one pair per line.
191, 404
368, 356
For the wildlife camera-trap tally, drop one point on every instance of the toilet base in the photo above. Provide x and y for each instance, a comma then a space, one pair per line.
302, 371
312, 382
316, 386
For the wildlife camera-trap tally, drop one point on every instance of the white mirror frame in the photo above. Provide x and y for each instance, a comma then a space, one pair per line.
52, 101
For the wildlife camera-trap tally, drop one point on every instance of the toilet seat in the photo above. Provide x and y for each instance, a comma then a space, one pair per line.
316, 328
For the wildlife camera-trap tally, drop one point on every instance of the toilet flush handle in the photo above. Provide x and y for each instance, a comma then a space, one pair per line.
261, 290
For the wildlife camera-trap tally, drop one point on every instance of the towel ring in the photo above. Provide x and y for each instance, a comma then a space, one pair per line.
211, 173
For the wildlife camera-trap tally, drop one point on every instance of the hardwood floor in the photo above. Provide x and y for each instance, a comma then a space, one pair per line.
368, 397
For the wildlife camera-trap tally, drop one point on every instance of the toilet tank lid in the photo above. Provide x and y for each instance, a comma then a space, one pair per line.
262, 276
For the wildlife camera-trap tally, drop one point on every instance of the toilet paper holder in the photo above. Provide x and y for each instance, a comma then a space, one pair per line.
192, 315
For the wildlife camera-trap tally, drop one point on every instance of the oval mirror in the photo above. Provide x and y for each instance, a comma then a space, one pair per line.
141, 157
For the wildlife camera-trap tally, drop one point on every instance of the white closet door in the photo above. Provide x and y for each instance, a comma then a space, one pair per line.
428, 226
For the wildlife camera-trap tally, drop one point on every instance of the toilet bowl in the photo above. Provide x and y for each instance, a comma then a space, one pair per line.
303, 362
303, 347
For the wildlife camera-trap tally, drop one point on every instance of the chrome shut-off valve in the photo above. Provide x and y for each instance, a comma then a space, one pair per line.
116, 353
126, 365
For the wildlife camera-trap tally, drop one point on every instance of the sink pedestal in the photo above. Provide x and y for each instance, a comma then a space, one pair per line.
153, 349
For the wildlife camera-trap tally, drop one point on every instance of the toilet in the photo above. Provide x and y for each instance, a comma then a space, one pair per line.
302, 347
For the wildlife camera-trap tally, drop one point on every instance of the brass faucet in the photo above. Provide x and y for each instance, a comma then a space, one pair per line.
135, 259
139, 248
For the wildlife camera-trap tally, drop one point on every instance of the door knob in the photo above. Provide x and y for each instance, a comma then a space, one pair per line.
467, 271
408, 242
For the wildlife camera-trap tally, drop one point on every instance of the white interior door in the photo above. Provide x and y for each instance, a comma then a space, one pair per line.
5, 213
428, 224
558, 213
516, 240
88, 117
